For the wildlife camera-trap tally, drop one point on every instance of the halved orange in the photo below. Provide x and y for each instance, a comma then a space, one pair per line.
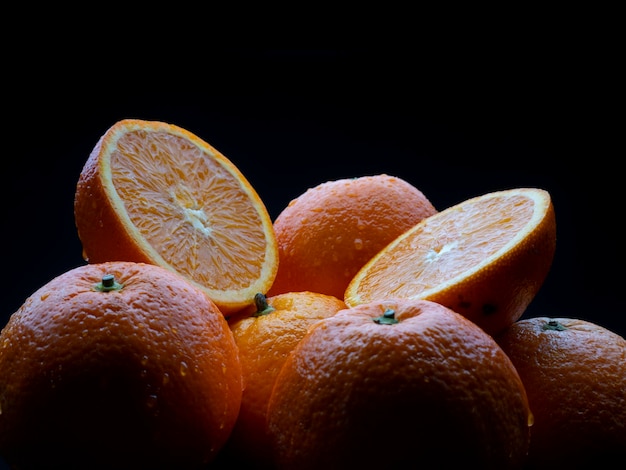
153, 192
485, 258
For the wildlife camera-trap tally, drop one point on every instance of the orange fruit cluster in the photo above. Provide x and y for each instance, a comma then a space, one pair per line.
362, 327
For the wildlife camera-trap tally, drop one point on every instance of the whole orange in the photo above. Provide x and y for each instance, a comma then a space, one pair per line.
398, 384
117, 365
327, 233
265, 336
574, 372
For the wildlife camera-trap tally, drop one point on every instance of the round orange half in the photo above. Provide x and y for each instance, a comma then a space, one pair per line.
485, 258
156, 193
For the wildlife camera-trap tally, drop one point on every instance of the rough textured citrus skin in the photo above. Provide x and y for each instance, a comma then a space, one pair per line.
155, 193
574, 372
264, 342
327, 233
431, 391
474, 257
147, 376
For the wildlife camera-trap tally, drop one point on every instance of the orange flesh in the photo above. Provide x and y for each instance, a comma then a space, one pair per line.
455, 245
191, 210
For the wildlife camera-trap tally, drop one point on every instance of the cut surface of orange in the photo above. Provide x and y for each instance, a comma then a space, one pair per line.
485, 258
156, 193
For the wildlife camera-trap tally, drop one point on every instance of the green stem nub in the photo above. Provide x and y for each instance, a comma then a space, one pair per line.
108, 284
387, 318
262, 307
554, 326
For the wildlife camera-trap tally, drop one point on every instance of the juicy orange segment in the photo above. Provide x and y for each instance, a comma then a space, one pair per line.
484, 258
154, 192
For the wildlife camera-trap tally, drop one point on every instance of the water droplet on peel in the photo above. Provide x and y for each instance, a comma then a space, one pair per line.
144, 360
531, 419
151, 401
184, 368
358, 244
166, 378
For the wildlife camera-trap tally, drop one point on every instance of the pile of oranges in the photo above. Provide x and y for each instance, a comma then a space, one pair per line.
362, 327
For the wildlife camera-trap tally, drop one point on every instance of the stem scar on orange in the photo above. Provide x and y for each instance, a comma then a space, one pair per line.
117, 365
153, 192
485, 258
431, 385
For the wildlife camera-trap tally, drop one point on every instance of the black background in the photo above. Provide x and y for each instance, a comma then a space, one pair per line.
455, 124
